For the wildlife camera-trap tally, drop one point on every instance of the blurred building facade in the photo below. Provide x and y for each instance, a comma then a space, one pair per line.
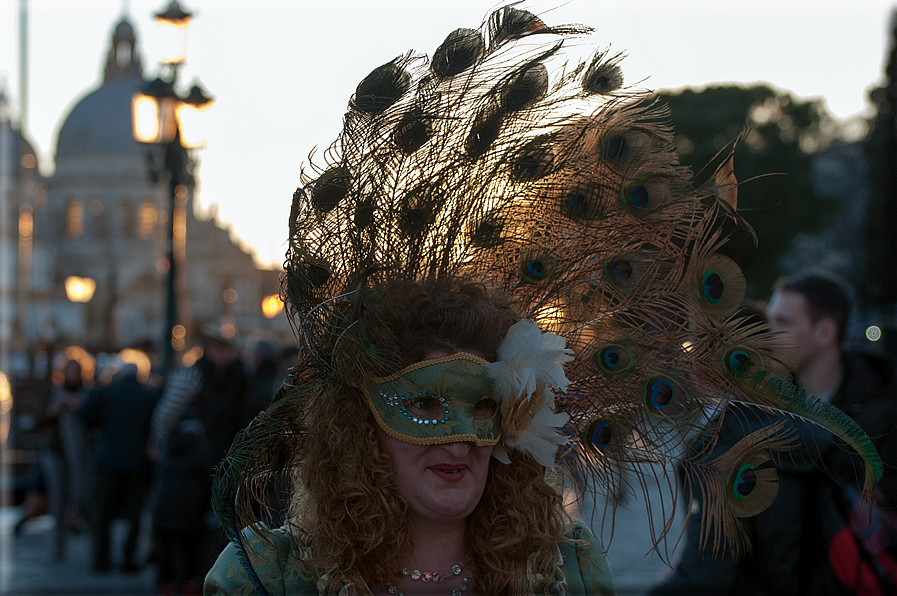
101, 221
22, 192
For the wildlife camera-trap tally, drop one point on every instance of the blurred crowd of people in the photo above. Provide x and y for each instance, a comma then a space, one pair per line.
121, 442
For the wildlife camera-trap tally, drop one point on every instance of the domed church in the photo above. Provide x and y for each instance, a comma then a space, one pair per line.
106, 221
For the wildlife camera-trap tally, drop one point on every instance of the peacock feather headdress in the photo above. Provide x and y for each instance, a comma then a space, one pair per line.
497, 160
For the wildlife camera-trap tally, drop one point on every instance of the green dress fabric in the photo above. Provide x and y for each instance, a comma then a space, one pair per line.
283, 572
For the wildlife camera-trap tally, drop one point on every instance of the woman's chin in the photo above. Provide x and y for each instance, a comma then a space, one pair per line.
448, 509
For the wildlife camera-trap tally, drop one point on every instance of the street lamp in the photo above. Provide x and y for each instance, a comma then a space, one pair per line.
157, 117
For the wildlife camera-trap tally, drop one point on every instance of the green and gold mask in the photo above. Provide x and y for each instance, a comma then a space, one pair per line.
437, 401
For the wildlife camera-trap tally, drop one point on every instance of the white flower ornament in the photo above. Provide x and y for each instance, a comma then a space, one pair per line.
529, 364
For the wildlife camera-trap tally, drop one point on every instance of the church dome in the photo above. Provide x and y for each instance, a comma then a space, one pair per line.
100, 124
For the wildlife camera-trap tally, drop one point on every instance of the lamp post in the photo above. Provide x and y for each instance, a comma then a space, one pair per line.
157, 121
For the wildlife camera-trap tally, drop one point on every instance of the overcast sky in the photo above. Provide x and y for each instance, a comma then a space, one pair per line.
283, 70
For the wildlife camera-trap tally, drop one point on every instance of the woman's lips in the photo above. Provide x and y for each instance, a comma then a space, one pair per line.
449, 473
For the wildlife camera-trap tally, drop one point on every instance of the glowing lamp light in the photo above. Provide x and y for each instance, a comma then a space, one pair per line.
272, 306
140, 359
5, 407
174, 20
79, 289
873, 333
146, 124
193, 126
191, 356
158, 114
228, 327
154, 112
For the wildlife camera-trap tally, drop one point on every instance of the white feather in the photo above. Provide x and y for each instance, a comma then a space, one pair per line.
527, 358
541, 438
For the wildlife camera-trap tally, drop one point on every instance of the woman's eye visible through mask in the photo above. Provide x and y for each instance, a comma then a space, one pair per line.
485, 408
424, 406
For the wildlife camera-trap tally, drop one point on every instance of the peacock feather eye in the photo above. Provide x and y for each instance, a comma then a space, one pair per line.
738, 362
330, 188
617, 148
484, 233
660, 394
742, 361
536, 267
533, 161
604, 436
580, 203
600, 435
528, 167
460, 50
529, 87
484, 131
614, 358
575, 204
751, 485
411, 132
298, 208
509, 23
414, 219
665, 397
626, 146
641, 197
745, 481
713, 286
381, 88
602, 76
719, 285
487, 231
306, 274
317, 273
620, 271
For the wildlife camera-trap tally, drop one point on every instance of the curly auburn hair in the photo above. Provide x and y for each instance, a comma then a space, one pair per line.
345, 504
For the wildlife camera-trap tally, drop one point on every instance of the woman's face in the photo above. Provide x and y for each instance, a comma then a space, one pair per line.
439, 482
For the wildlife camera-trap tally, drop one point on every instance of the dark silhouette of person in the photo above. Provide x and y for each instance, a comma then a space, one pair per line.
121, 412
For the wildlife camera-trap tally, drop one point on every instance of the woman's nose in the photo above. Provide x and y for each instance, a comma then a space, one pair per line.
459, 448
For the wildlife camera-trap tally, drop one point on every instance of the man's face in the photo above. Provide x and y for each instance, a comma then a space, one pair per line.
789, 314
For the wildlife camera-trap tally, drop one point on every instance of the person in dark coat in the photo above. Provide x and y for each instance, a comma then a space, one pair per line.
121, 412
790, 540
183, 497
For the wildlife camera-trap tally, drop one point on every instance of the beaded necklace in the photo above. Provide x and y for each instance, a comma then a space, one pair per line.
436, 577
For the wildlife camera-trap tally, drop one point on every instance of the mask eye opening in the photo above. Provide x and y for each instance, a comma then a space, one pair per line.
485, 409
